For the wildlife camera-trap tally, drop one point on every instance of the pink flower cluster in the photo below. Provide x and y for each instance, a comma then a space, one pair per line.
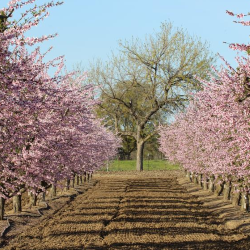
236, 46
212, 137
48, 130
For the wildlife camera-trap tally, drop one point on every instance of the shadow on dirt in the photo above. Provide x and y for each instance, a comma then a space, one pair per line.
149, 213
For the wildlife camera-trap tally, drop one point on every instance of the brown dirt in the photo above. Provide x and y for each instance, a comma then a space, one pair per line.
30, 216
151, 210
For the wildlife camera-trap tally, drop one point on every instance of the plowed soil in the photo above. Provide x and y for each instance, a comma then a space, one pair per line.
143, 211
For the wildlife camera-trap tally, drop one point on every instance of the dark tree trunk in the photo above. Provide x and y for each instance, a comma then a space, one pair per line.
17, 203
80, 177
45, 185
67, 184
85, 177
227, 191
88, 176
2, 203
128, 156
73, 182
139, 156
195, 178
236, 199
43, 195
219, 187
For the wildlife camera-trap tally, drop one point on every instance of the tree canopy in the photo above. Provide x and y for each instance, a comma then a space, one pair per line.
148, 80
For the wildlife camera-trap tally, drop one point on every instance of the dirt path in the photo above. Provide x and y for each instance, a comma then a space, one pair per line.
132, 213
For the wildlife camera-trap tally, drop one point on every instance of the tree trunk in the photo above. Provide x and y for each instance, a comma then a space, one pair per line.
88, 176
205, 184
195, 178
227, 191
33, 199
244, 202
43, 195
67, 184
129, 156
211, 184
236, 198
200, 180
189, 176
139, 156
77, 179
45, 185
80, 177
192, 177
85, 178
73, 182
2, 203
53, 191
17, 203
219, 188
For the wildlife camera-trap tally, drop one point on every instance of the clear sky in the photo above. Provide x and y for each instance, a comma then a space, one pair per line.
90, 29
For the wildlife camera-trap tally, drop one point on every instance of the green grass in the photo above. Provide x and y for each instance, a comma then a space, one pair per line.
129, 165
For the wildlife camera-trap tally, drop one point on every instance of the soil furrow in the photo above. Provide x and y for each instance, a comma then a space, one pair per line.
133, 212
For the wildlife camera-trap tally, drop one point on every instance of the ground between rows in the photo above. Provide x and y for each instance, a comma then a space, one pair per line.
156, 210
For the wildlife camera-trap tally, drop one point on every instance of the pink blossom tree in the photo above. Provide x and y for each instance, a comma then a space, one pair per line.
48, 130
212, 137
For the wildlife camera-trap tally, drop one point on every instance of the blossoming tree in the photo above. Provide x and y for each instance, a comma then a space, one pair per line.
47, 126
212, 137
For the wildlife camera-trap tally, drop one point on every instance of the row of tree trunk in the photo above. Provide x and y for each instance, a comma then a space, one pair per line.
225, 189
33, 198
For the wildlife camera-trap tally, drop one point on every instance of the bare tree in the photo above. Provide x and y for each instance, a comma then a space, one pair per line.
148, 80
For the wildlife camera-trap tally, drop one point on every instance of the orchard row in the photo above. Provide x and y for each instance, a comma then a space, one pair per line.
48, 130
211, 139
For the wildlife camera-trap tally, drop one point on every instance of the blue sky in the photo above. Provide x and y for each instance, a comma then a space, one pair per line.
91, 29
